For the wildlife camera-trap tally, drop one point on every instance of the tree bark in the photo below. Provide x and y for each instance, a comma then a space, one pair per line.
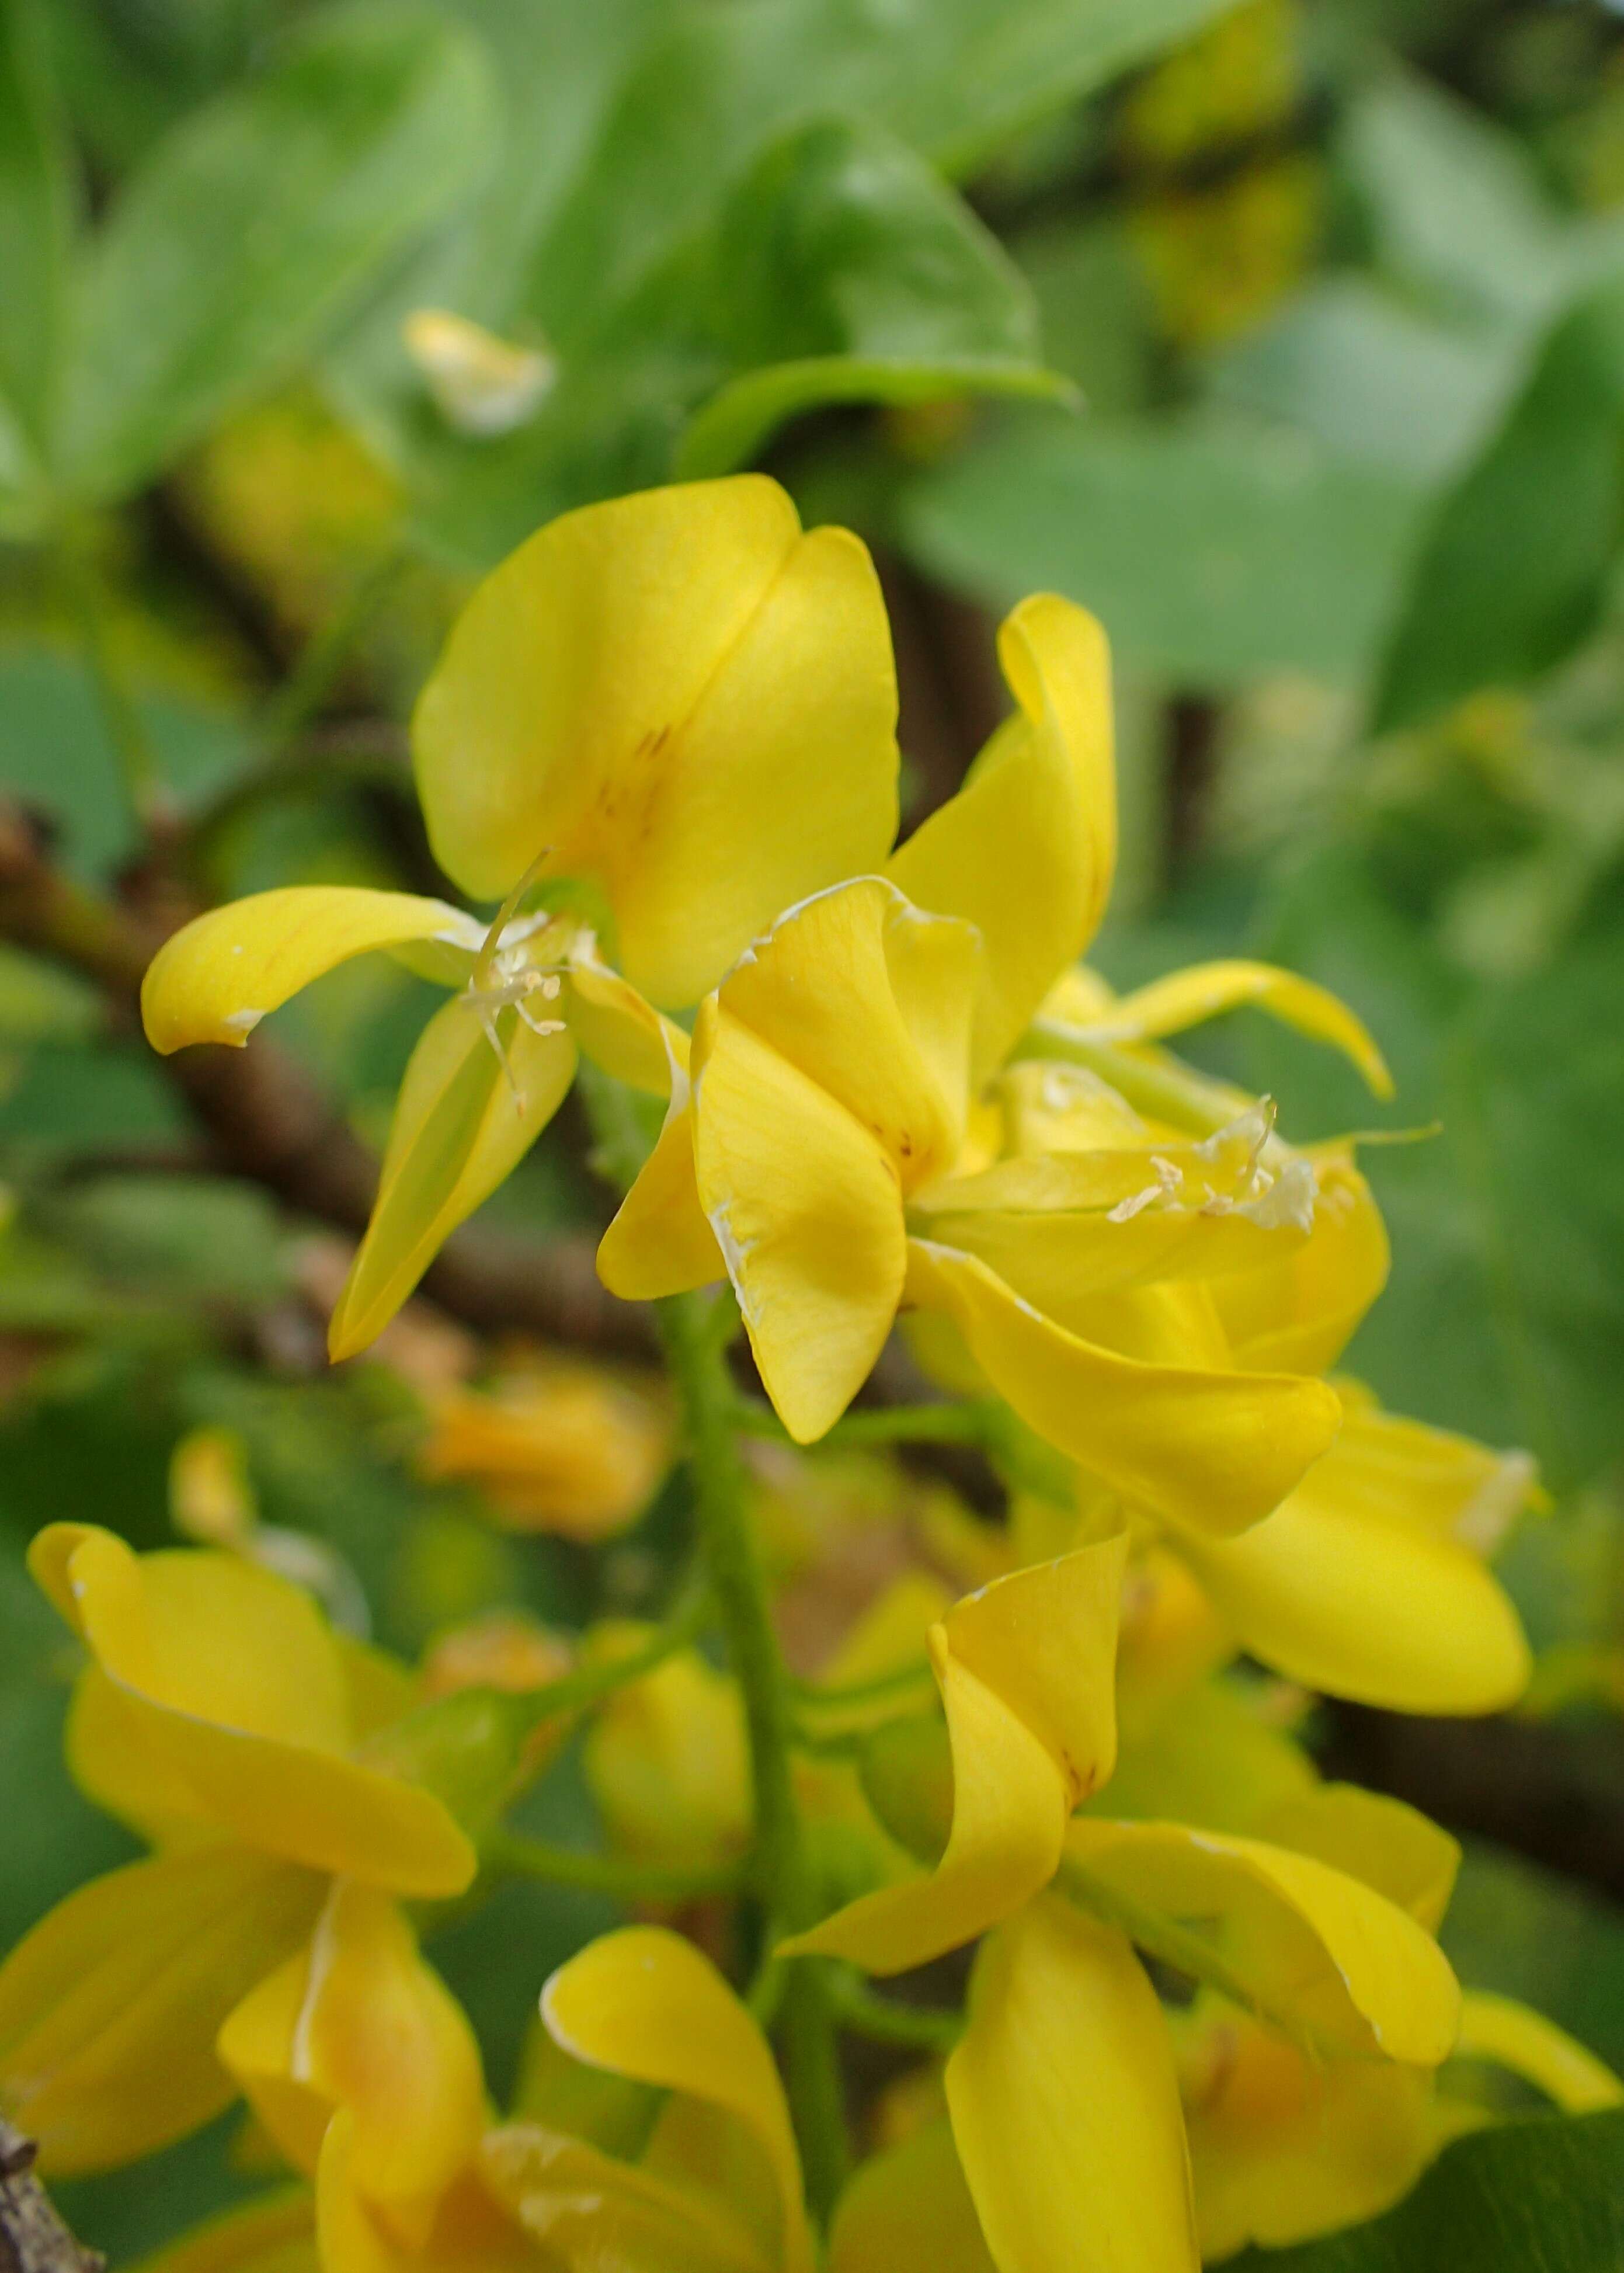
33, 2237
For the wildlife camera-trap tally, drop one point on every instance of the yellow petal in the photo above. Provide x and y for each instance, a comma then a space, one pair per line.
1431, 1477
463, 1121
1393, 1847
1026, 850
1076, 1224
645, 2003
1320, 1952
358, 2020
668, 1760
660, 1241
618, 1028
804, 1204
594, 2210
275, 2234
472, 2232
909, 2211
216, 979
1026, 1671
688, 701
1209, 1759
1499, 2029
1355, 1600
566, 1448
1206, 990
872, 999
1298, 1312
110, 2008
232, 1692
1284, 2145
1065, 2104
1208, 1447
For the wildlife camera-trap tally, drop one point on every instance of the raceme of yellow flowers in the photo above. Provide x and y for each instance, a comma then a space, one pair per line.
661, 746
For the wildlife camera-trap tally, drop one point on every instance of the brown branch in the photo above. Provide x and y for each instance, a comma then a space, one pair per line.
264, 1118
33, 2237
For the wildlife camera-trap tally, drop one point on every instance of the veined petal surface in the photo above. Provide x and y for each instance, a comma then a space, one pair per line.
464, 1120
680, 695
216, 979
1026, 850
1065, 2104
109, 2008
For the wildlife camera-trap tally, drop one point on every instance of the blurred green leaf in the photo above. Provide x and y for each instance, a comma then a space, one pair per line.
35, 220
1095, 309
1512, 572
1213, 551
1454, 203
254, 224
846, 270
1545, 2197
178, 1237
1525, 1933
1373, 379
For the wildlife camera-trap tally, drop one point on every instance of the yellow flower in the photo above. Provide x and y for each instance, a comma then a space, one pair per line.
717, 2186
1062, 2092
556, 1446
675, 707
667, 1760
222, 1719
819, 1156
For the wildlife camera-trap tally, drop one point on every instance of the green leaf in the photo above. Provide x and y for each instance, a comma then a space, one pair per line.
846, 270
1545, 2197
257, 221
1454, 203
1214, 552
1512, 574
952, 78
1373, 379
35, 219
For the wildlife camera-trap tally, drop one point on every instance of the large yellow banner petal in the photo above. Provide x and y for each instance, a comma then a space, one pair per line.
1065, 2104
681, 696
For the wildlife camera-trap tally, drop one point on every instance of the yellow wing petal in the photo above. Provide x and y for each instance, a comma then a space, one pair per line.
274, 2234
619, 1030
1209, 1447
1065, 2104
463, 1121
1499, 2029
686, 699
1356, 1601
1026, 850
592, 2209
1206, 990
804, 1206
646, 2004
909, 2211
358, 2020
1298, 1312
1026, 1670
215, 979
1393, 1847
1323, 1953
108, 2009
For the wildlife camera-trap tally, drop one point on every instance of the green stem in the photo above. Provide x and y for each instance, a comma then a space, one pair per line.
924, 2028
573, 1693
611, 1874
738, 1584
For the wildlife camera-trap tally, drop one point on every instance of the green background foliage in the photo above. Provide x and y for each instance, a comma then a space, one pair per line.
1290, 340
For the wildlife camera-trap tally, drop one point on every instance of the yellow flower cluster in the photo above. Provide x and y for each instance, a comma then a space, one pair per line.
663, 738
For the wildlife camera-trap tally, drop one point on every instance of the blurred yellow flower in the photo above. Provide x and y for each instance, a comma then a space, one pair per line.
223, 1720
675, 709
556, 1445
